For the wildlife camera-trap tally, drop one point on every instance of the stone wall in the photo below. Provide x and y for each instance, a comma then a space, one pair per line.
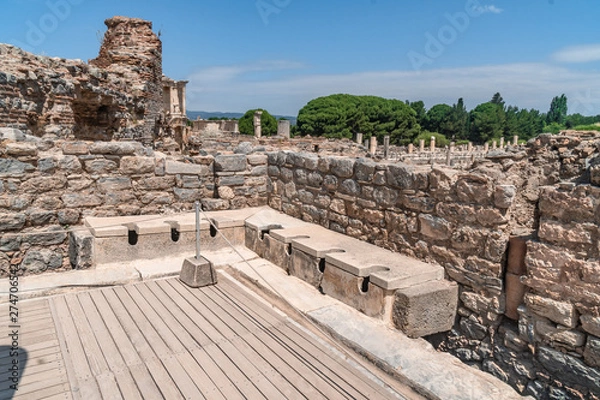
469, 222
117, 95
49, 186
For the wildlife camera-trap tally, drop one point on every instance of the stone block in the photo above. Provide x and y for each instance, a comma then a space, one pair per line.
198, 272
75, 148
230, 163
591, 324
99, 166
21, 149
425, 309
591, 353
435, 227
12, 168
113, 184
181, 168
307, 267
358, 292
504, 196
37, 261
560, 312
342, 167
131, 165
12, 222
570, 369
115, 148
549, 332
81, 249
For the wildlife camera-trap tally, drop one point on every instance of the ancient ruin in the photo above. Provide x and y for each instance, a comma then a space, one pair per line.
492, 258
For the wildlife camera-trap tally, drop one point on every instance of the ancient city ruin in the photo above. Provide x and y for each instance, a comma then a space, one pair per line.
492, 257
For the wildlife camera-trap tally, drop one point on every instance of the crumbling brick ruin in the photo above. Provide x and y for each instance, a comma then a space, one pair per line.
518, 230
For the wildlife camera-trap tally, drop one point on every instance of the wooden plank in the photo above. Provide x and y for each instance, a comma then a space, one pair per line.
36, 350
164, 306
167, 338
60, 396
125, 310
54, 375
108, 348
39, 386
131, 358
81, 383
159, 375
61, 391
337, 371
239, 350
217, 375
33, 369
300, 369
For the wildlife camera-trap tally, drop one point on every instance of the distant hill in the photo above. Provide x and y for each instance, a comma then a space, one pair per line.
192, 115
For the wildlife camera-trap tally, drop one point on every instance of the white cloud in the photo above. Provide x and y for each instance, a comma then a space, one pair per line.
526, 85
489, 9
578, 54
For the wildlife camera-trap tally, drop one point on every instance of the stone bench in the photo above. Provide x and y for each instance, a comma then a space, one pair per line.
394, 288
122, 239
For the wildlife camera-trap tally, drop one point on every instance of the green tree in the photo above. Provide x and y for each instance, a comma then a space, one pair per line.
420, 111
439, 119
268, 123
459, 121
558, 110
344, 115
487, 122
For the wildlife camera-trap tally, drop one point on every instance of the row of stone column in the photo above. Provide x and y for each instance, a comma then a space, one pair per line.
283, 126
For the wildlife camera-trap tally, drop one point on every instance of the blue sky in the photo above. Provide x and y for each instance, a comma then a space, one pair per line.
279, 54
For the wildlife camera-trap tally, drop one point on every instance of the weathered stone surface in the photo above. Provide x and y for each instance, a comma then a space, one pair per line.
342, 167
434, 227
99, 166
11, 168
41, 217
230, 163
566, 235
81, 249
156, 183
131, 165
108, 185
68, 217
591, 324
115, 148
70, 164
50, 236
569, 369
12, 222
225, 192
44, 184
350, 187
177, 167
406, 177
79, 200
551, 333
36, 261
560, 312
187, 195
233, 180
426, 309
504, 196
75, 148
474, 188
592, 351
364, 169
198, 272
21, 149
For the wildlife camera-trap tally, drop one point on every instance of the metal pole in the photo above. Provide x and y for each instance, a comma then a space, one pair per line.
197, 230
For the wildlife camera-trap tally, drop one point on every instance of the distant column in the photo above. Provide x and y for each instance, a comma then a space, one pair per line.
283, 128
359, 137
470, 147
386, 147
411, 148
236, 127
432, 144
486, 147
373, 147
366, 143
501, 142
422, 145
257, 127
449, 154
494, 145
515, 140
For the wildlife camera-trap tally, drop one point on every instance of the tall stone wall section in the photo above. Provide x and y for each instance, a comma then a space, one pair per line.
116, 96
464, 221
48, 187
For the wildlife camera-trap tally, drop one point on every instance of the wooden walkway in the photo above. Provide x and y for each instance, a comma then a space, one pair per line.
163, 340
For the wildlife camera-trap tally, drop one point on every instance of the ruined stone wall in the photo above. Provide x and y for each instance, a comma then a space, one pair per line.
464, 221
116, 96
47, 187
